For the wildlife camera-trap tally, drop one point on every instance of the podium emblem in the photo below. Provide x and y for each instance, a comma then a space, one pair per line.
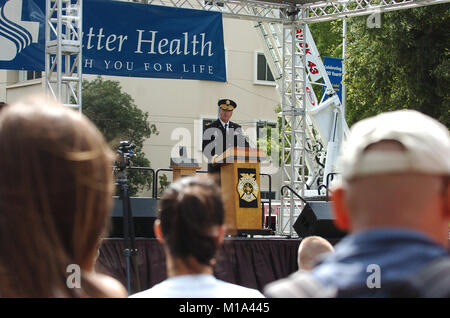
248, 189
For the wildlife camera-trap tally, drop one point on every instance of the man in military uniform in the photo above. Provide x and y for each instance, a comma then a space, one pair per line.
222, 134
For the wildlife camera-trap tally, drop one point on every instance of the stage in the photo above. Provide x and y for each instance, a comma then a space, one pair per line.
250, 262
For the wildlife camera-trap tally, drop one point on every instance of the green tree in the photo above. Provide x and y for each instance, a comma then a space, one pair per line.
163, 184
118, 118
328, 37
403, 64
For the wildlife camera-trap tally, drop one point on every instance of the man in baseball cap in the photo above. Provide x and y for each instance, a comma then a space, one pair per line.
394, 200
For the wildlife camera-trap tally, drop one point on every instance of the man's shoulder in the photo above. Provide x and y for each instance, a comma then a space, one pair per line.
159, 290
300, 284
433, 280
234, 125
237, 291
214, 124
205, 287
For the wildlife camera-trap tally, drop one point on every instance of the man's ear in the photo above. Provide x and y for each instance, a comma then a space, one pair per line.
446, 198
340, 211
158, 232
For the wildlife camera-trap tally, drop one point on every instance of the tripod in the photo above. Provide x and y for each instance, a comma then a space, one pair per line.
130, 250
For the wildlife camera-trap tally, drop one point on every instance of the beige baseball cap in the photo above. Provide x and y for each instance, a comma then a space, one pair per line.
426, 142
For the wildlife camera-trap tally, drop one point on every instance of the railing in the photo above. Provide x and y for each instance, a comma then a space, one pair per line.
329, 178
293, 191
155, 183
147, 169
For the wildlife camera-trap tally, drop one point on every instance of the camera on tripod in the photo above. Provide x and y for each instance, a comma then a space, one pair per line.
125, 153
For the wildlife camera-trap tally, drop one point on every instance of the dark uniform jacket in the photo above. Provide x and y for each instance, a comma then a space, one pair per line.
216, 140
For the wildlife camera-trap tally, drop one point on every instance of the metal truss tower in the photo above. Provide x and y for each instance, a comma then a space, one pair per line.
63, 51
293, 117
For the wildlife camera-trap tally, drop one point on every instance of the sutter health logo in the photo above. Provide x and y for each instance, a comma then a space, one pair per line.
15, 34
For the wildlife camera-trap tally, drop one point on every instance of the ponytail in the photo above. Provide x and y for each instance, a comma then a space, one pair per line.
189, 211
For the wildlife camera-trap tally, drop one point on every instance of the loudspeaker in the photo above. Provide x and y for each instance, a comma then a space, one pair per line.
316, 219
144, 211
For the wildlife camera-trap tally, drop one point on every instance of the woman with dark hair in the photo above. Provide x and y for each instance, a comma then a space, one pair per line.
56, 192
190, 226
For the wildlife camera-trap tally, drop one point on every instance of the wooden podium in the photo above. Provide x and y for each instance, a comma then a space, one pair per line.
239, 178
180, 171
183, 166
